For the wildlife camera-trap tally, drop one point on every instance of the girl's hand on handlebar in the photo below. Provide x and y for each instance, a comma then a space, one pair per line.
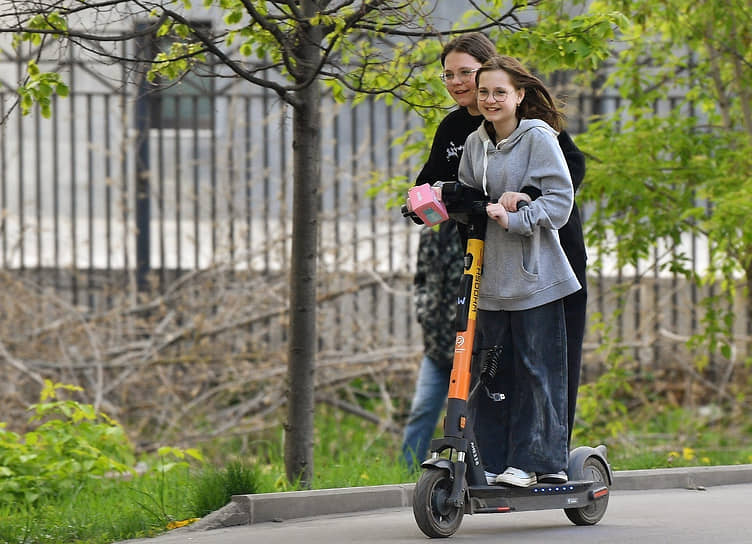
510, 199
498, 213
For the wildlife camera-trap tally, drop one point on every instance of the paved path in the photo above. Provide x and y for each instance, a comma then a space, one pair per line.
384, 513
716, 514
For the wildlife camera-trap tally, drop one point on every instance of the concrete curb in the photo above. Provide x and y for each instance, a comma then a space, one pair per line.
682, 478
264, 507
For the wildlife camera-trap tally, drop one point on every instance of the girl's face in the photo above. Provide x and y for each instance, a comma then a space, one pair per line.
459, 78
498, 100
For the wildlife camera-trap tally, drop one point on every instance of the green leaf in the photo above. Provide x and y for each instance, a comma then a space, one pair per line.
234, 17
33, 69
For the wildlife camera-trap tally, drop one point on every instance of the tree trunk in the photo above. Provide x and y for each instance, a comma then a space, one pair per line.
301, 347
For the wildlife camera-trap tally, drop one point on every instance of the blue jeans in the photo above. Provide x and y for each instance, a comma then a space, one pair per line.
525, 425
428, 402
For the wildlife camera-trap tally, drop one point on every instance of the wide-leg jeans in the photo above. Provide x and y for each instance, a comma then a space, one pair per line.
521, 419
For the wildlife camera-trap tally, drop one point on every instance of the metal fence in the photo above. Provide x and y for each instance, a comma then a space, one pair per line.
205, 178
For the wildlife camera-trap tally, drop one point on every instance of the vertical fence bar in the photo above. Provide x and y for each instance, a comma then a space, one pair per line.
142, 112
334, 339
354, 211
713, 364
143, 190
108, 187
248, 183
160, 103
196, 186
231, 173
179, 103
373, 302
354, 193
38, 193
180, 100
73, 172
21, 213
90, 199
339, 214
284, 181
266, 171
124, 158
391, 308
285, 177
56, 194
336, 187
213, 176
410, 251
3, 184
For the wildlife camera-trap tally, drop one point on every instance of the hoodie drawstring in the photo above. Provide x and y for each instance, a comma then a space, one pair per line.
485, 165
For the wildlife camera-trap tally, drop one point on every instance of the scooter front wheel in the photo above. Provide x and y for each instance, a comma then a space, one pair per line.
434, 515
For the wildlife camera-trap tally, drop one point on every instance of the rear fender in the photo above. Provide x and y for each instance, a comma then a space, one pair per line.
577, 459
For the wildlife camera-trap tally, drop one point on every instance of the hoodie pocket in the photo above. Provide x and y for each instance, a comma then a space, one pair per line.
530, 254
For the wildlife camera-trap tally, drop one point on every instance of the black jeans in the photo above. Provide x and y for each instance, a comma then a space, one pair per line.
521, 420
575, 306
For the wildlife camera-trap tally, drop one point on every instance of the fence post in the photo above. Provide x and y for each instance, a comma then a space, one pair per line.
143, 168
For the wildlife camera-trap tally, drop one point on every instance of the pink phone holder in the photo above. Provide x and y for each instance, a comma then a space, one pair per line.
424, 203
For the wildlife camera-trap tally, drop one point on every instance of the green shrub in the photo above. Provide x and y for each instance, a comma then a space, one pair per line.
214, 486
72, 442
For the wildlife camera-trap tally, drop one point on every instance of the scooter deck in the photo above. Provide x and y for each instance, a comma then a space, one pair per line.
500, 498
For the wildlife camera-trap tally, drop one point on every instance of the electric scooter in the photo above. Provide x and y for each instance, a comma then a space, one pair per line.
453, 482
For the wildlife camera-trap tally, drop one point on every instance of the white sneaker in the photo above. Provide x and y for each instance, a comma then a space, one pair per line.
516, 477
490, 477
554, 478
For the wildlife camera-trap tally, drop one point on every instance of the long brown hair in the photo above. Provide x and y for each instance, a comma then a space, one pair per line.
537, 103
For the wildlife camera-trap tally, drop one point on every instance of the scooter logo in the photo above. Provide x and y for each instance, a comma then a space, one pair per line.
460, 341
461, 301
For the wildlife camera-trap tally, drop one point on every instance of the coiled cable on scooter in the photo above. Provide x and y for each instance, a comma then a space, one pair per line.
490, 360
491, 363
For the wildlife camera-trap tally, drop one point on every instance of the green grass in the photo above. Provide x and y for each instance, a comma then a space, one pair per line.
98, 512
663, 457
348, 452
662, 437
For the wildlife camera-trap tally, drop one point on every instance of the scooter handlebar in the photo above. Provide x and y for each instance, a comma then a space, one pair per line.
460, 201
406, 212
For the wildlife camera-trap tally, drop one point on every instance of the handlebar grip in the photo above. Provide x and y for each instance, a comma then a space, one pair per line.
411, 215
522, 204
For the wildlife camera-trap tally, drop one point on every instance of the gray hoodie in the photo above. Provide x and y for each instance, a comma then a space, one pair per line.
524, 266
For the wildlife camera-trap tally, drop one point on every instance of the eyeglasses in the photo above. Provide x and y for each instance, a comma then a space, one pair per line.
499, 95
463, 75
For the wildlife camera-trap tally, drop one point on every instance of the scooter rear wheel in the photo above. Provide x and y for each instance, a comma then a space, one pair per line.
592, 469
435, 517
